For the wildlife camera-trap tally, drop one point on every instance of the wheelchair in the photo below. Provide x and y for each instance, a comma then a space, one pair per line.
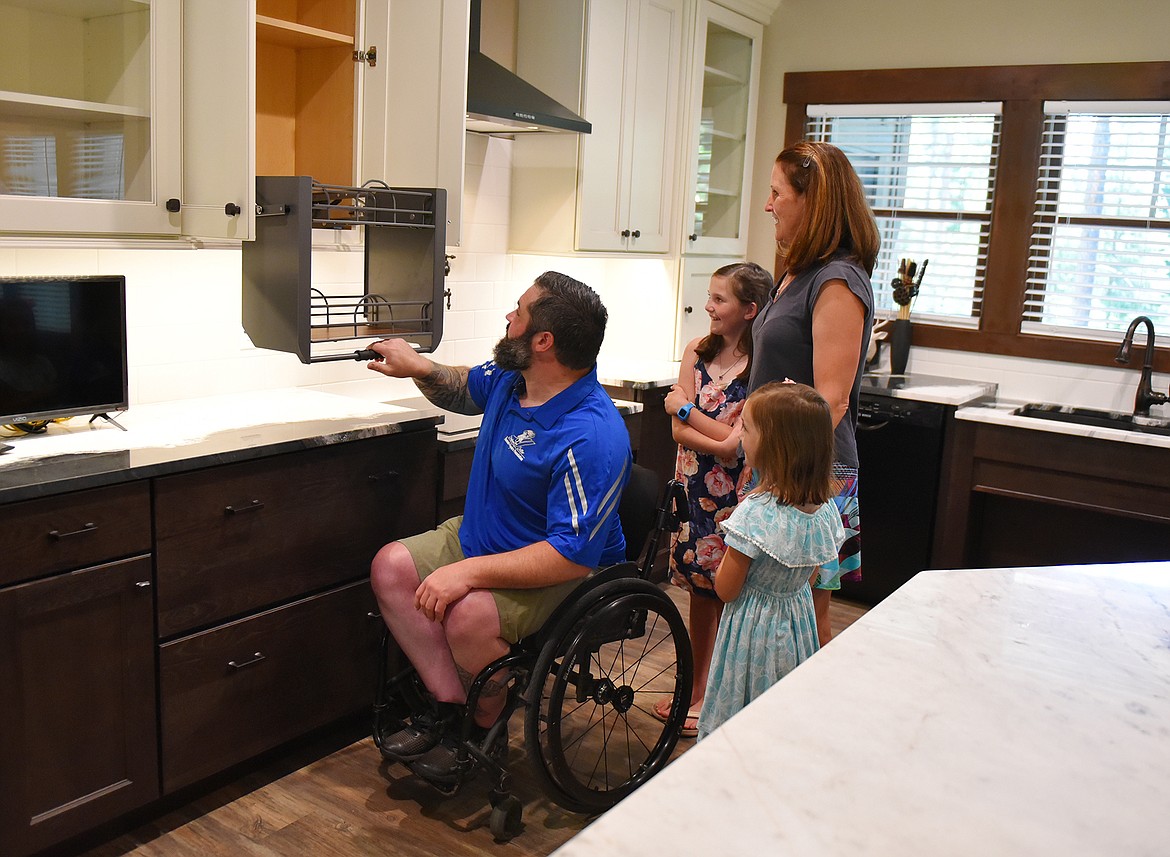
587, 682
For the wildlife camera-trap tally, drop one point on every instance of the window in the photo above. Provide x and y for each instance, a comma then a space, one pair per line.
929, 174
1046, 221
1100, 251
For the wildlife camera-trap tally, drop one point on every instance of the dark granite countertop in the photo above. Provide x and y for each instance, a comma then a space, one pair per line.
174, 437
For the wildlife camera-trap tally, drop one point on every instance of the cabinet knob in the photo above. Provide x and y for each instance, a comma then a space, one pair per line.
637, 233
173, 205
688, 309
625, 233
231, 209
694, 236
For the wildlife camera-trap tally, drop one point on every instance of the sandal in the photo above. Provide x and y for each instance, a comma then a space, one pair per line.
690, 727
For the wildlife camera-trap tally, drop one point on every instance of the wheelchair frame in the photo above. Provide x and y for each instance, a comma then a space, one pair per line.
589, 690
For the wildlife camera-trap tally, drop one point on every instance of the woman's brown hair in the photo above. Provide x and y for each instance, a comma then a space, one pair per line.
750, 284
836, 216
794, 452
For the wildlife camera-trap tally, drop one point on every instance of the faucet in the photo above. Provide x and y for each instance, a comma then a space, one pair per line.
1145, 391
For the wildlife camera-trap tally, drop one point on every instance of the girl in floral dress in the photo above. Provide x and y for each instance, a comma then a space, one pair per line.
705, 407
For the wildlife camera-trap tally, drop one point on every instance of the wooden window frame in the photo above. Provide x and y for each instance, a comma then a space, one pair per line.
1022, 90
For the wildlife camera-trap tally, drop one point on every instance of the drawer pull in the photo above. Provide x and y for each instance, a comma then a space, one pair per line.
380, 477
143, 584
374, 614
85, 528
235, 510
255, 659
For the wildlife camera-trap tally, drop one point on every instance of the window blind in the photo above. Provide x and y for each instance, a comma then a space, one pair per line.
1100, 249
929, 175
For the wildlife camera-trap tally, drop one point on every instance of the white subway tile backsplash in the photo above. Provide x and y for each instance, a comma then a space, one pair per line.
458, 325
490, 324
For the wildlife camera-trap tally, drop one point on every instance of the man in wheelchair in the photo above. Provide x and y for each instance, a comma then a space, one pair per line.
550, 463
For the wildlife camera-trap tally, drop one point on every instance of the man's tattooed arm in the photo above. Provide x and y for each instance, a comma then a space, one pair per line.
446, 387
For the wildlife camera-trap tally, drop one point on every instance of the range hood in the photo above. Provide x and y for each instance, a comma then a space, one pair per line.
499, 102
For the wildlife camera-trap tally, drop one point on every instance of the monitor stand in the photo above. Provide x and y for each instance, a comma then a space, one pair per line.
108, 419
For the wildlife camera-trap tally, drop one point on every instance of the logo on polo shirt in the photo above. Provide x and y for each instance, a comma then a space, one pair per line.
517, 442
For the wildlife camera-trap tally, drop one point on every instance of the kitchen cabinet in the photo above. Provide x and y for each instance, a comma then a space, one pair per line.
611, 190
725, 82
626, 188
691, 319
363, 90
113, 135
157, 631
1018, 497
78, 729
90, 117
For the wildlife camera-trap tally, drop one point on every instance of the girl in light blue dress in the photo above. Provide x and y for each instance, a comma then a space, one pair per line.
777, 538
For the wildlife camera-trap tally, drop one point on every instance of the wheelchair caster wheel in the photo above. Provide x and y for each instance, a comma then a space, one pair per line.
505, 820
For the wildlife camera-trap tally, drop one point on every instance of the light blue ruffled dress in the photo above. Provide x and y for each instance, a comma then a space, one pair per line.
771, 627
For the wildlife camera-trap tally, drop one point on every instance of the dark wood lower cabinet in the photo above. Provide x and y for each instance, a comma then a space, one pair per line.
235, 691
78, 728
156, 633
1018, 497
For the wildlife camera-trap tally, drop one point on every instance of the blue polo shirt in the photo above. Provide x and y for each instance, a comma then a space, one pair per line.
552, 473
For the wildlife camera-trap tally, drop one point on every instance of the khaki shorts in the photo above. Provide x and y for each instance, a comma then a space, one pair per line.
522, 611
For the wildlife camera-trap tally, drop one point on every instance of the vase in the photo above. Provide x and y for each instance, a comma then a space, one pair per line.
900, 335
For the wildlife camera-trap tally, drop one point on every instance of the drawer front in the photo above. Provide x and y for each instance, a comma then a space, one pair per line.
246, 687
44, 536
231, 540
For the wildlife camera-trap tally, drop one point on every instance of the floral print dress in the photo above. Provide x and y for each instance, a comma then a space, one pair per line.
711, 484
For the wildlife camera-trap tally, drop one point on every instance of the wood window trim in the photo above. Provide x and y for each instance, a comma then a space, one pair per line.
1022, 90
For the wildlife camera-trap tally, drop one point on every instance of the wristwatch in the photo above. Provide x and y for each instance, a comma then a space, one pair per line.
685, 411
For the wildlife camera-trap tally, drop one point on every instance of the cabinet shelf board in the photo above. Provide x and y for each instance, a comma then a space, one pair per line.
718, 77
47, 107
81, 9
726, 135
293, 35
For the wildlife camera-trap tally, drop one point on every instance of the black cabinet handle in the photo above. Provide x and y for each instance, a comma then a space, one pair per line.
85, 528
235, 510
143, 584
231, 209
688, 309
374, 614
694, 236
625, 233
173, 205
384, 477
637, 233
255, 659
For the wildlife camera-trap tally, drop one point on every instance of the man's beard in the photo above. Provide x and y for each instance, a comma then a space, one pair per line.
515, 354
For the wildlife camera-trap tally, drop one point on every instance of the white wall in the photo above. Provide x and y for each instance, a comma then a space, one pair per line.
813, 35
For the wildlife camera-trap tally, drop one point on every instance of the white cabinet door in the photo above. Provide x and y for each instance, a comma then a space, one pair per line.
692, 320
89, 117
626, 173
219, 119
414, 100
725, 73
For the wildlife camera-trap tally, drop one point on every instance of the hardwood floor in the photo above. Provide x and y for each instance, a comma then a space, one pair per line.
350, 802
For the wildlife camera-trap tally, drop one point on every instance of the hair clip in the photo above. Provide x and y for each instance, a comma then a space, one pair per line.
807, 162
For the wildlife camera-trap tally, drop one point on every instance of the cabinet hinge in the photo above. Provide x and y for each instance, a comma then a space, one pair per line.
369, 56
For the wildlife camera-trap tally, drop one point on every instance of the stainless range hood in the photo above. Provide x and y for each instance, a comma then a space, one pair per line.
499, 102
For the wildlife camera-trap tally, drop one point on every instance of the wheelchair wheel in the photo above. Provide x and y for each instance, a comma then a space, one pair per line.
590, 723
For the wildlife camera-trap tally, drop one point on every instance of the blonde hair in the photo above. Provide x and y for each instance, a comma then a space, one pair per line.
794, 453
836, 216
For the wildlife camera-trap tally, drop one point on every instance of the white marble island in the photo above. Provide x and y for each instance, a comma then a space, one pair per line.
983, 712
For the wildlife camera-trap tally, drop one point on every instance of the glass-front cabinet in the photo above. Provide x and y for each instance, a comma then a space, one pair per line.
89, 116
725, 75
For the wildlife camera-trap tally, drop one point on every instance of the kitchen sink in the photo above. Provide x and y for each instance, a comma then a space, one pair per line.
1095, 418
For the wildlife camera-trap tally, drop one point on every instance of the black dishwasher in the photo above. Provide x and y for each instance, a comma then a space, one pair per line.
899, 451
